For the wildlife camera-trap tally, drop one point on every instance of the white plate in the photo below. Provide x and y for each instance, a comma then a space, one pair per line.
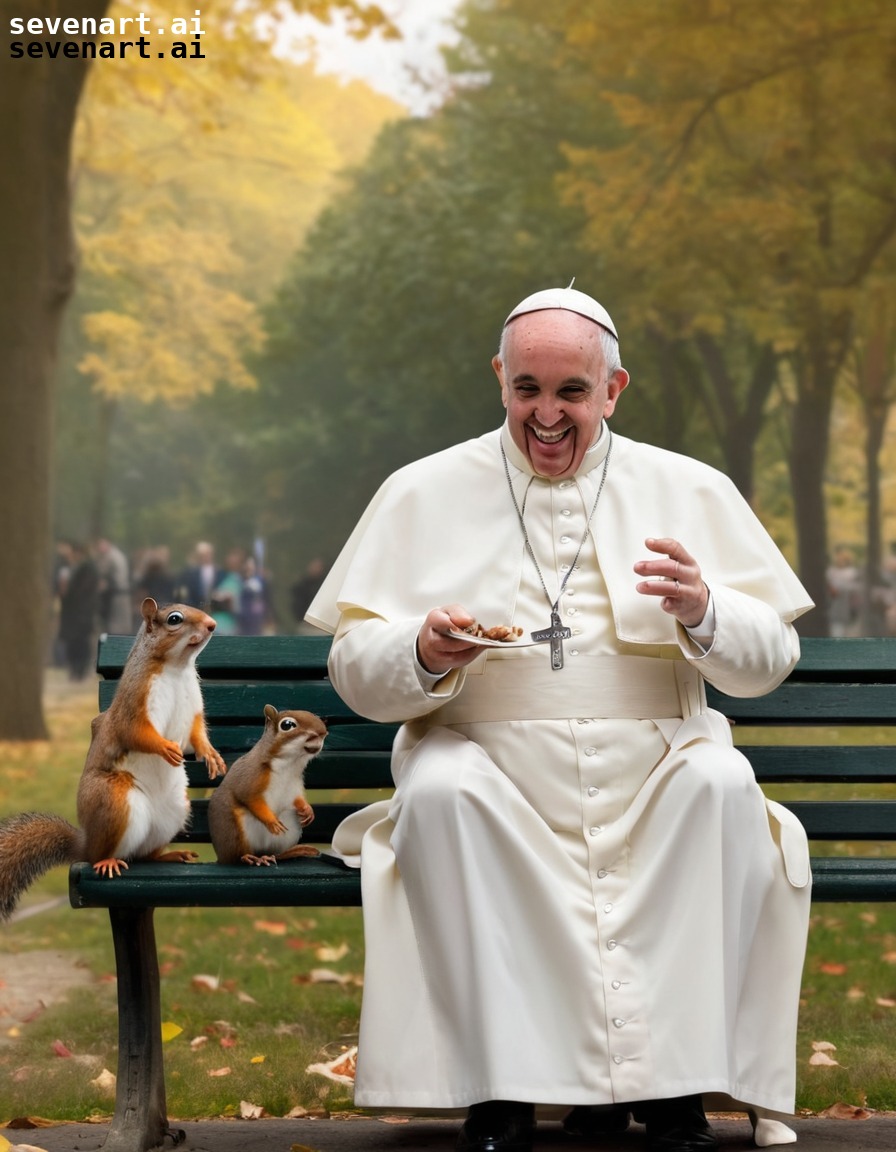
520, 642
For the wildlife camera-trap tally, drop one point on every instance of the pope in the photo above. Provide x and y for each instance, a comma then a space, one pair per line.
577, 896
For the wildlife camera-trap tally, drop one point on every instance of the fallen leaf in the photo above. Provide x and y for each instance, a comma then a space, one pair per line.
394, 1119
823, 1046
833, 969
104, 1083
251, 1111
330, 954
4, 1144
855, 993
822, 1060
169, 1031
272, 927
297, 1113
60, 1049
245, 998
205, 983
884, 1002
341, 1068
325, 976
219, 1071
257, 1060
889, 957
846, 1112
301, 1148
228, 1042
198, 1042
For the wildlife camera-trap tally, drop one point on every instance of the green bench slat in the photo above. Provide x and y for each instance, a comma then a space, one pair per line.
819, 763
235, 657
845, 879
244, 703
321, 882
846, 819
811, 702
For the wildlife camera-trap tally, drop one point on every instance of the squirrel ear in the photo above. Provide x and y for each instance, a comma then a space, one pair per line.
148, 609
270, 714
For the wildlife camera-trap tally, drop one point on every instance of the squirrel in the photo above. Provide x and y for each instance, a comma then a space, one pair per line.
132, 796
257, 812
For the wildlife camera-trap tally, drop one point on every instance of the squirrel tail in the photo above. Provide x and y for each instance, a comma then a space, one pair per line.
31, 844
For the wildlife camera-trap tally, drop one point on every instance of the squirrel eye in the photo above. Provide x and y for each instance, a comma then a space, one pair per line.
175, 618
287, 724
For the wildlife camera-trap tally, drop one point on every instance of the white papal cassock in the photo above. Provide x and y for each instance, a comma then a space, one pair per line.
578, 894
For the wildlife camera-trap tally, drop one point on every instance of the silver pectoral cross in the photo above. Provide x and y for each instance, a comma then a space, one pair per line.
555, 635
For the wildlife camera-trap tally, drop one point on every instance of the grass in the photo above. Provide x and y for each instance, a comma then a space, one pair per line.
244, 987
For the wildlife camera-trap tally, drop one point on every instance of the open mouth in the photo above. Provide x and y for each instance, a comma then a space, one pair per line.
543, 436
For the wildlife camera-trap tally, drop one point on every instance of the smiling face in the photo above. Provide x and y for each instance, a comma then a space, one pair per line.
555, 388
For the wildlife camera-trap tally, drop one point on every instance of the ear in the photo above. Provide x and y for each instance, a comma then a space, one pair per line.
148, 610
615, 385
270, 715
498, 365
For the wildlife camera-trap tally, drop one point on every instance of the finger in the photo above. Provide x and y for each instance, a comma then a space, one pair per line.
671, 547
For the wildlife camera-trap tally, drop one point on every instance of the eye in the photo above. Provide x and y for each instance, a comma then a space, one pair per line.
287, 724
175, 618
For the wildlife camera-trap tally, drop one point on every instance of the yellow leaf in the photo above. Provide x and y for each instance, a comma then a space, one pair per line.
169, 1031
330, 953
4, 1144
257, 1060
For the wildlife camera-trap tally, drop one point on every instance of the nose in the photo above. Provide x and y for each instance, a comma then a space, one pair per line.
548, 412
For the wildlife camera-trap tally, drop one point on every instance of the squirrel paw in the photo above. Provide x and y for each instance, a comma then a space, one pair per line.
306, 814
110, 867
172, 752
215, 763
276, 827
265, 860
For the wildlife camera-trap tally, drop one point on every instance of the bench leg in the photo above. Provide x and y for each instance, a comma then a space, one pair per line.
141, 1116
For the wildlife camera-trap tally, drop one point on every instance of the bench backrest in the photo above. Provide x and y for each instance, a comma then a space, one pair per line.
798, 734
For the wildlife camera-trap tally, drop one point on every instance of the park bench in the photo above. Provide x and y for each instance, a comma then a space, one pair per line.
839, 684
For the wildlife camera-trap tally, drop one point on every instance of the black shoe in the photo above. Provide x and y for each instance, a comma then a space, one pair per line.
594, 1121
677, 1125
498, 1126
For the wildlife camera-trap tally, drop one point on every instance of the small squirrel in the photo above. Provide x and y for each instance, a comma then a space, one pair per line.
257, 812
132, 797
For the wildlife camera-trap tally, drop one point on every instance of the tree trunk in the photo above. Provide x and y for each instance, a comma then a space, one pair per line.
809, 442
38, 99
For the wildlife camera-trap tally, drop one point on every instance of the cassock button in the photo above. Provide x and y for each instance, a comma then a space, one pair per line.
608, 907
602, 873
565, 512
572, 611
612, 944
565, 539
593, 791
618, 1059
616, 985
590, 751
618, 1022
596, 831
